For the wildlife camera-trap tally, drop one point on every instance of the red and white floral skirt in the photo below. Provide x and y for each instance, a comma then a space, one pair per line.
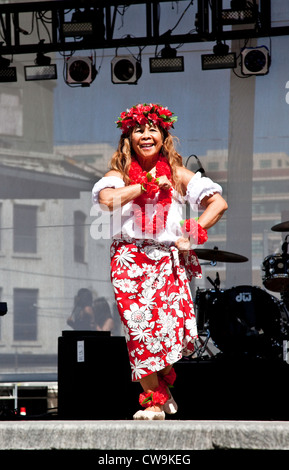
152, 292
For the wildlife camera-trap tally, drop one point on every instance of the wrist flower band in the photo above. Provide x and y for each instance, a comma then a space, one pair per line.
191, 228
149, 185
152, 114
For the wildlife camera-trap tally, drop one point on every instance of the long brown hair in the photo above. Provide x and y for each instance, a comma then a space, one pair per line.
121, 158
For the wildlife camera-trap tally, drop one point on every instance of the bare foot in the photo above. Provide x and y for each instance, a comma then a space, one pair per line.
155, 408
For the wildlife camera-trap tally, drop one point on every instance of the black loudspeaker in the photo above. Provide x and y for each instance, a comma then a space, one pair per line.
94, 382
94, 377
232, 390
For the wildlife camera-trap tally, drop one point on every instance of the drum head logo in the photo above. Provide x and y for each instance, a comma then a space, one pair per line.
244, 297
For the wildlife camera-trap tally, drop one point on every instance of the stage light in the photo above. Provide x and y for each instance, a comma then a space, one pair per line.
77, 29
246, 16
255, 60
84, 23
7, 74
220, 59
80, 25
80, 71
42, 70
241, 12
125, 69
168, 62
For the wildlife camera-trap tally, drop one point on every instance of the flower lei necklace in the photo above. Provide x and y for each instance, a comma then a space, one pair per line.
151, 188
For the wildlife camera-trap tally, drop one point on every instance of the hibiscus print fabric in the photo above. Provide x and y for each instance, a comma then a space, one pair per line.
151, 285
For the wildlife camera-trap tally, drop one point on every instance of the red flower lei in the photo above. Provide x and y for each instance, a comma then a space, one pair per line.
192, 229
149, 184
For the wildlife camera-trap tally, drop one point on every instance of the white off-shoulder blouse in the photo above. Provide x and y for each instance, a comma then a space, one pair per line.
122, 220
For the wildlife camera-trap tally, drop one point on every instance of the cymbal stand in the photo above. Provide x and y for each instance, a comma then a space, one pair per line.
211, 263
203, 347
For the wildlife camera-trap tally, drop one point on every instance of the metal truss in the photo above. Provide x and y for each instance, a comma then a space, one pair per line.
208, 19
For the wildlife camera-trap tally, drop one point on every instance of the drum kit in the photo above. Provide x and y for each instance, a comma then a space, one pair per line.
245, 321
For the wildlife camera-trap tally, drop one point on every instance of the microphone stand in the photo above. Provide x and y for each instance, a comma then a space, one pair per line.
201, 169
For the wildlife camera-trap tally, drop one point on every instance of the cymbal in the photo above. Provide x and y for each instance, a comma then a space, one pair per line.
283, 227
218, 255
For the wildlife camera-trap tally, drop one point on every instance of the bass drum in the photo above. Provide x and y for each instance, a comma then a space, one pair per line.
276, 272
247, 321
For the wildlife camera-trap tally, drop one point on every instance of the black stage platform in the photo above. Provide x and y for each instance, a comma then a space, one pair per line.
94, 383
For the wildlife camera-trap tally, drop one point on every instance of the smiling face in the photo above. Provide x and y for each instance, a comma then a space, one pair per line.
146, 141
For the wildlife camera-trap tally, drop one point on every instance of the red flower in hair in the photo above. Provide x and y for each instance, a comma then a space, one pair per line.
146, 114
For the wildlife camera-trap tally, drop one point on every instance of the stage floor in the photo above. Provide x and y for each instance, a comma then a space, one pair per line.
145, 436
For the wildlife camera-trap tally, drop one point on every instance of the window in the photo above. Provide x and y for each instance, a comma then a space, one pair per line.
25, 314
25, 232
265, 163
79, 236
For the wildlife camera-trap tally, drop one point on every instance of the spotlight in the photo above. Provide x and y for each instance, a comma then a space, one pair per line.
255, 60
220, 59
125, 69
42, 70
80, 25
240, 16
80, 70
7, 74
85, 23
168, 62
77, 29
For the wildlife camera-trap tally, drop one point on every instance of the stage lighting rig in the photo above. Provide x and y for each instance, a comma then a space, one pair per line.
168, 62
85, 23
255, 60
80, 71
7, 73
220, 59
125, 69
42, 70
241, 12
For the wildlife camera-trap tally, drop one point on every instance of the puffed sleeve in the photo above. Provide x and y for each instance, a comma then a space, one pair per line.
105, 182
199, 187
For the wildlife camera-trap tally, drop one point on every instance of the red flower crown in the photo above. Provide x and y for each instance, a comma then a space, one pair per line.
152, 114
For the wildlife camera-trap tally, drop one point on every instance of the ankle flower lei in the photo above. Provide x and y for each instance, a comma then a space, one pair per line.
152, 114
151, 188
192, 229
158, 397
